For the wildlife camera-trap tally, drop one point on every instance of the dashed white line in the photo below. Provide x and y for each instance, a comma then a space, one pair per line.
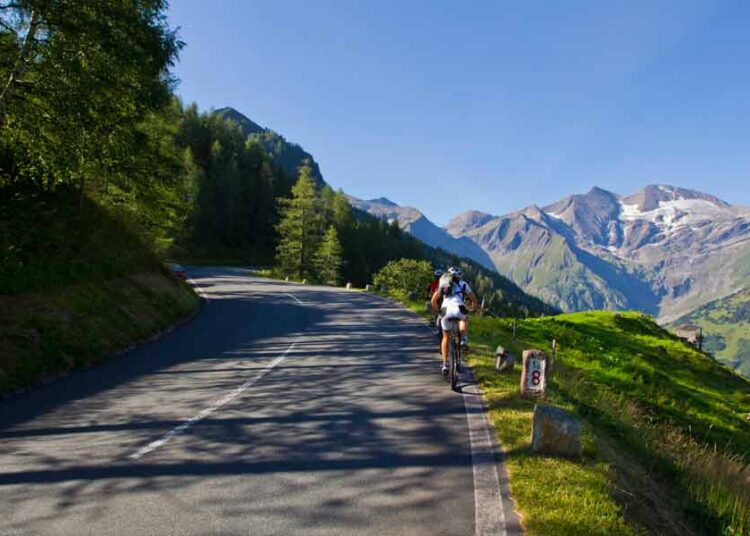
209, 410
295, 298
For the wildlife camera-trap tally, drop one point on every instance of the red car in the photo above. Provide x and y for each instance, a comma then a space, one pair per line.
177, 270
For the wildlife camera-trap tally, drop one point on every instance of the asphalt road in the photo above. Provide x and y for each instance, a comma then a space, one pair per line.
279, 409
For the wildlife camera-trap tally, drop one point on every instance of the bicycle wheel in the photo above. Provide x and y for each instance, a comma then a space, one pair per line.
454, 363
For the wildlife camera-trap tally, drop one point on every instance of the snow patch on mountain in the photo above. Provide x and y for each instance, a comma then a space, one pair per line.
675, 214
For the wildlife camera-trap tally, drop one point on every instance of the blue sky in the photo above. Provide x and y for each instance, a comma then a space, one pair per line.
488, 105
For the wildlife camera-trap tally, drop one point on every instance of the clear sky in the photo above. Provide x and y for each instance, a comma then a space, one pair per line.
487, 105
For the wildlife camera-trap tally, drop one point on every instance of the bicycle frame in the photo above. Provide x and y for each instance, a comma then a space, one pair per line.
454, 351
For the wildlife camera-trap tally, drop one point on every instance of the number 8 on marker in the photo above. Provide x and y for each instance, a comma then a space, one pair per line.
536, 377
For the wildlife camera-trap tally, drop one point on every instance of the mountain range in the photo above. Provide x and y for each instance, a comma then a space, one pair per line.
675, 253
663, 250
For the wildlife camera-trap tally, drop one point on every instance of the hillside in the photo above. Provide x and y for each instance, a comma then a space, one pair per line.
79, 285
289, 156
663, 250
415, 223
726, 329
666, 429
369, 239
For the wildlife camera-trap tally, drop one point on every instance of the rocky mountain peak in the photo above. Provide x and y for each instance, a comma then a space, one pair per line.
471, 219
383, 201
247, 125
654, 196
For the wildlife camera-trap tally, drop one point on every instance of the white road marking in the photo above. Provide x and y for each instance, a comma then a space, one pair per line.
295, 298
489, 507
198, 289
209, 410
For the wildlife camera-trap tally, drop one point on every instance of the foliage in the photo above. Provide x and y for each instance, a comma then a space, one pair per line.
289, 156
299, 228
235, 184
328, 258
84, 76
406, 275
47, 241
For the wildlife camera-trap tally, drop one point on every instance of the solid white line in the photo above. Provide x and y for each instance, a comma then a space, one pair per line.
209, 410
295, 298
489, 509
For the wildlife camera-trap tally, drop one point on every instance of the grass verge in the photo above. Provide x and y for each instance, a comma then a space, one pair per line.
665, 428
51, 332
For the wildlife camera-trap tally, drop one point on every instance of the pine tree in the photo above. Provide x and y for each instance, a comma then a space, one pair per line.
299, 228
328, 258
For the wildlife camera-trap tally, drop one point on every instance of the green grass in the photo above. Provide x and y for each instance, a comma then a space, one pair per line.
726, 328
49, 240
664, 428
77, 283
43, 334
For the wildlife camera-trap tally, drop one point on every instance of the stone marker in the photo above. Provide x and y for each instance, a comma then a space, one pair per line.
534, 373
504, 361
368, 288
555, 431
348, 286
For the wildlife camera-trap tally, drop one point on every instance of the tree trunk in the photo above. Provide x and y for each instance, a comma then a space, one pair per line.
21, 65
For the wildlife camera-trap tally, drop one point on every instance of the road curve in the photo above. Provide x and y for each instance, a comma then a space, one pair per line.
279, 409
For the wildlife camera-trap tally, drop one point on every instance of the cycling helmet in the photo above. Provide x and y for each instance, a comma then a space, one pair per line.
438, 272
455, 271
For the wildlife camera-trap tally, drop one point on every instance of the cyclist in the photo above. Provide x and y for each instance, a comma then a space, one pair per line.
431, 289
455, 294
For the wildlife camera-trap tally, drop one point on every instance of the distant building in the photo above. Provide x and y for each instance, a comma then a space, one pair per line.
691, 333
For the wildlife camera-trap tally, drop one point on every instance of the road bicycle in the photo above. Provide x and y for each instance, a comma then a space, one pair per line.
455, 354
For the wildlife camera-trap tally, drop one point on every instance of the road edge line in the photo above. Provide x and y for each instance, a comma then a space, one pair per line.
494, 512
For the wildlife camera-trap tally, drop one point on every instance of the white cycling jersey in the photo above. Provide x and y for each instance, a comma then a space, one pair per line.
456, 298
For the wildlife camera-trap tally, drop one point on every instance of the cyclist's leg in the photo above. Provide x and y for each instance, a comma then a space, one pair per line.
463, 328
446, 324
444, 346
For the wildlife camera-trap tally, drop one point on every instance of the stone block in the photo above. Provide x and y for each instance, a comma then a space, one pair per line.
535, 365
504, 360
555, 432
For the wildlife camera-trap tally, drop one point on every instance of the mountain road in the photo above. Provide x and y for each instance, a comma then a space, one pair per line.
279, 409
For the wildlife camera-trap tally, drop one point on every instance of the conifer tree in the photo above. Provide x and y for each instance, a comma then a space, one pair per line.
299, 228
328, 259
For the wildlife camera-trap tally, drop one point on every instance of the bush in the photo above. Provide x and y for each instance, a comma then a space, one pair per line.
406, 275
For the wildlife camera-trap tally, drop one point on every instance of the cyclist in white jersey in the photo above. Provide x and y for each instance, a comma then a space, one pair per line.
455, 293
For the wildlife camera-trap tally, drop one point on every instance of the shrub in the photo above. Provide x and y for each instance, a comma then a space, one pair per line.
406, 275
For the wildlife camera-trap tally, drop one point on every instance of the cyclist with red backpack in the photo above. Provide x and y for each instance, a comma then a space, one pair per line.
455, 294
431, 289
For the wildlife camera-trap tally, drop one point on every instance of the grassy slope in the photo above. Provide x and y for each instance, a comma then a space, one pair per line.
665, 429
43, 334
650, 404
727, 333
76, 283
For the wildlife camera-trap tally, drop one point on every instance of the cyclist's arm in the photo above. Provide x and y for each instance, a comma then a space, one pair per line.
435, 302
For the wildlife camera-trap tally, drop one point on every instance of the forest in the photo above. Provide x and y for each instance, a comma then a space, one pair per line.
98, 153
